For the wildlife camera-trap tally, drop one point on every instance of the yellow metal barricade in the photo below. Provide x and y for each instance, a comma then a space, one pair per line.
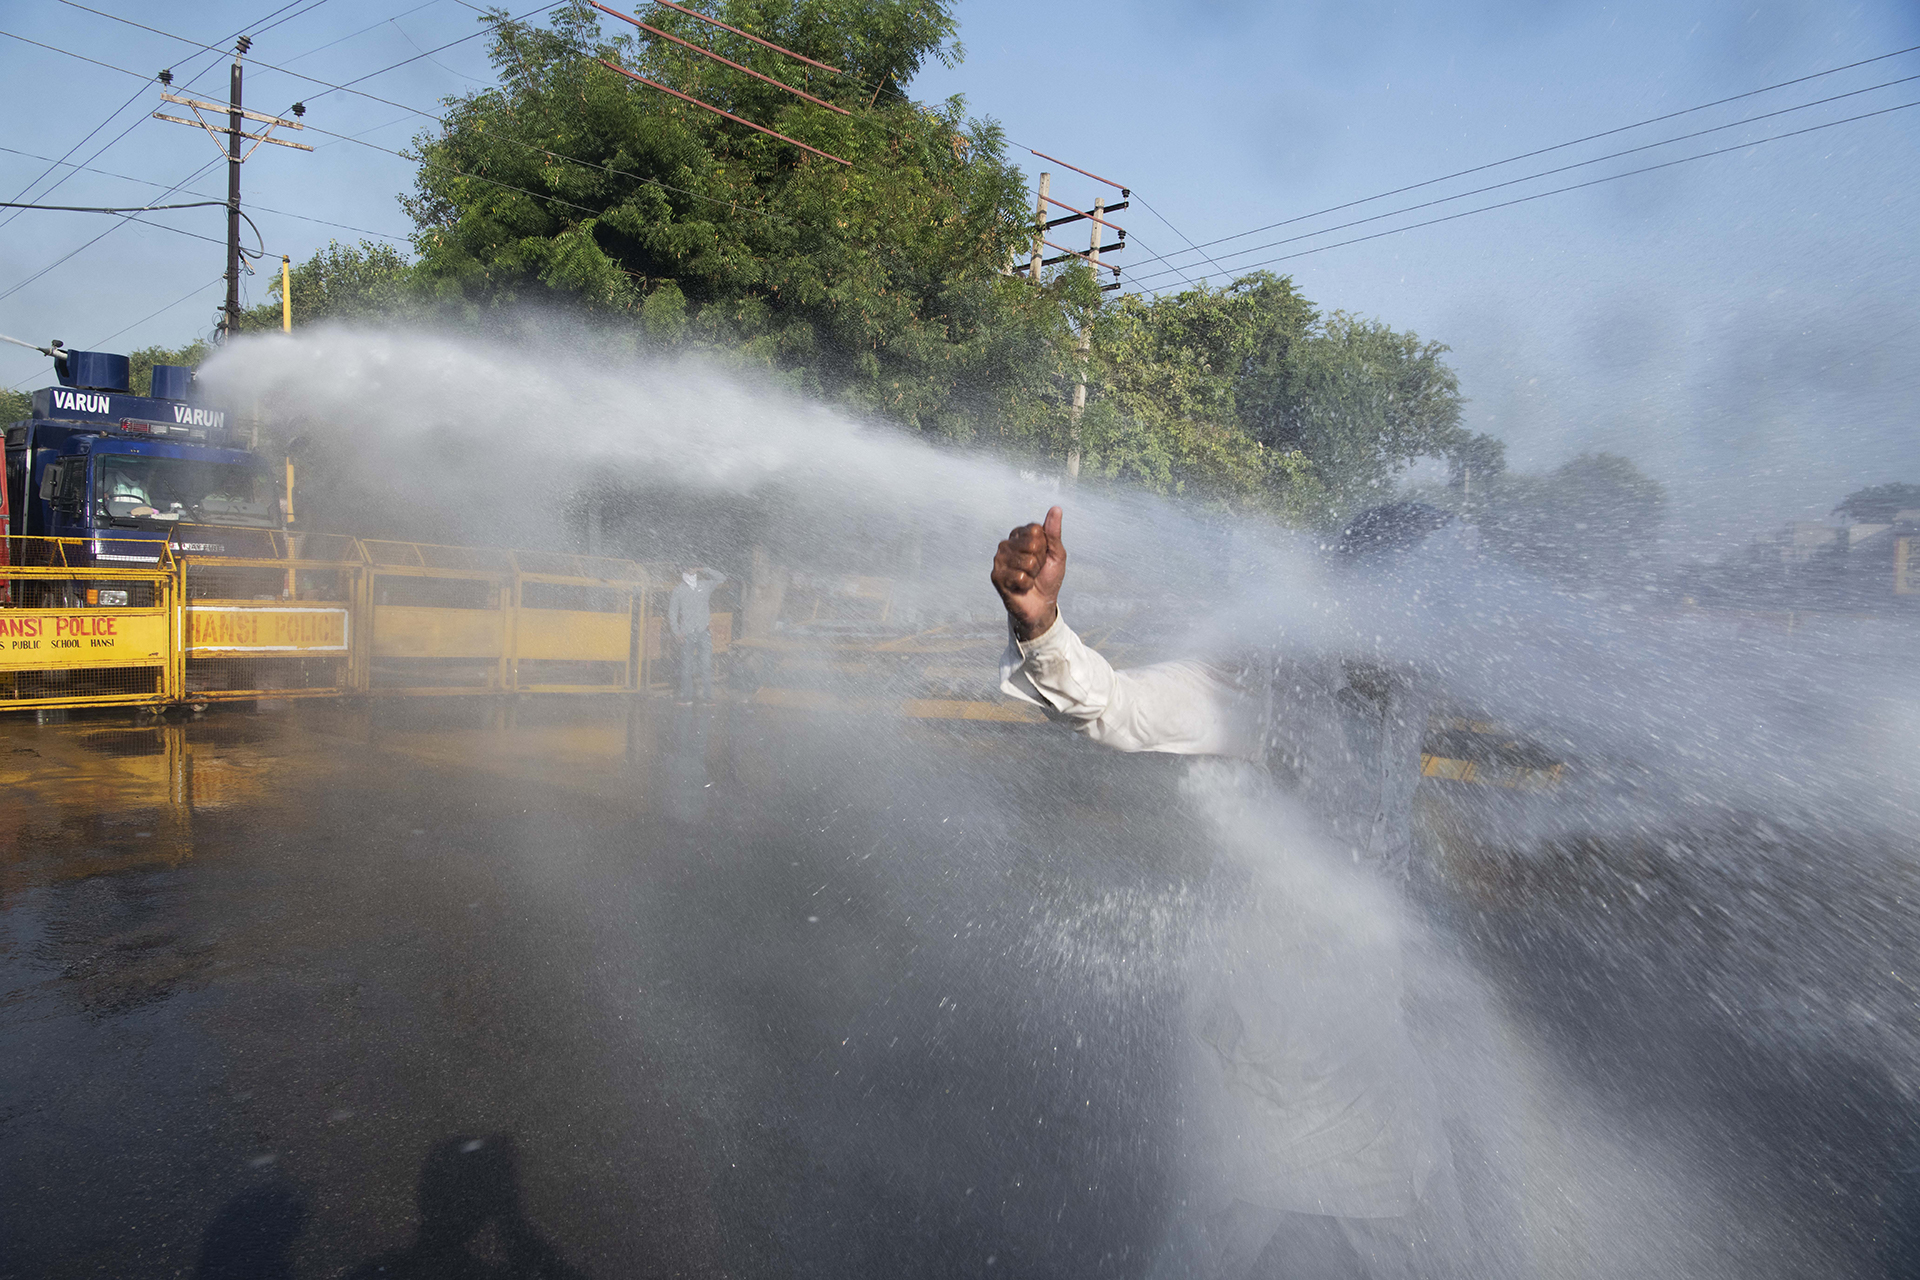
85, 636
311, 615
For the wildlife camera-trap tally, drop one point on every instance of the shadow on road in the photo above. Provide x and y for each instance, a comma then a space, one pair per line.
252, 1237
471, 1221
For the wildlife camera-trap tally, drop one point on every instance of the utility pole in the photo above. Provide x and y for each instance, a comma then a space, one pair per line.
231, 324
228, 140
1083, 347
1039, 228
1083, 341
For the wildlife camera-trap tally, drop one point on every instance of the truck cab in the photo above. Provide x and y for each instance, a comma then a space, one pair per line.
117, 477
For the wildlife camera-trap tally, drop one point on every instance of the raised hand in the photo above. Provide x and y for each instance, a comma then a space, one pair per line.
1027, 572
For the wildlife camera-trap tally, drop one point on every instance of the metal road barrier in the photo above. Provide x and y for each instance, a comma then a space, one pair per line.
85, 637
224, 615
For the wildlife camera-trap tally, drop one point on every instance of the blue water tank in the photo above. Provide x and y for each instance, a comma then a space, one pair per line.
172, 381
93, 371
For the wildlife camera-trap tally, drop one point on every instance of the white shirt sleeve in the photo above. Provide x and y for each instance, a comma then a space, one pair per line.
1183, 708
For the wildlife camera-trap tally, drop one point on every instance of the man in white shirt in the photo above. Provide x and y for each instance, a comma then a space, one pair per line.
1314, 1142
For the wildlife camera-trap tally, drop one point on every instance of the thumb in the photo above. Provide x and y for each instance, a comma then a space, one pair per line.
1052, 529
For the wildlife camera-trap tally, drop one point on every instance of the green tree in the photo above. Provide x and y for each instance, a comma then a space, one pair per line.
879, 284
1249, 393
1180, 378
15, 405
1880, 503
1477, 460
1589, 522
1361, 401
143, 360
342, 282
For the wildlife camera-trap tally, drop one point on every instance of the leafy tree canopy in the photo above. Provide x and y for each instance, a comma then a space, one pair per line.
881, 284
1478, 459
1878, 504
878, 283
341, 282
1250, 393
1587, 522
143, 360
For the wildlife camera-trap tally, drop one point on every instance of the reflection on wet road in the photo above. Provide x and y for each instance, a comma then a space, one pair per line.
457, 989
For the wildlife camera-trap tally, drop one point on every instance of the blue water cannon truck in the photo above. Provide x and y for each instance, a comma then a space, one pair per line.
117, 477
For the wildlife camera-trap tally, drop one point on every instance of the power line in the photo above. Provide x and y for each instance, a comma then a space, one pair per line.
1183, 235
282, 213
96, 240
138, 208
126, 211
71, 54
1561, 146
22, 193
346, 137
439, 119
257, 30
348, 86
170, 306
129, 102
190, 178
428, 115
1565, 168
326, 85
1541, 195
362, 31
1135, 195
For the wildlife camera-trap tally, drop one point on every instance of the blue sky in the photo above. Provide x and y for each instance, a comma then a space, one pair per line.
1744, 326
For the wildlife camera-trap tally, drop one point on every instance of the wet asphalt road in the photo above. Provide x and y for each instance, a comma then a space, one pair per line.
435, 990
280, 984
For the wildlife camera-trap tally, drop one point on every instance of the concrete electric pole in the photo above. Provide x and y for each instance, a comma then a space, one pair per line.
1083, 340
1039, 228
1083, 348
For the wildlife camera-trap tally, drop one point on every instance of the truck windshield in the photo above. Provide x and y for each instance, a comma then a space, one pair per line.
127, 487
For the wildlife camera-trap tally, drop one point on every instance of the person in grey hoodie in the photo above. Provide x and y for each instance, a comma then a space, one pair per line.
690, 620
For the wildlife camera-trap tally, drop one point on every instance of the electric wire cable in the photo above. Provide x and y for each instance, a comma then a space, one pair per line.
135, 98
219, 279
42, 176
694, 195
132, 208
8, 293
1612, 177
279, 213
1135, 239
329, 87
67, 257
362, 31
1561, 146
1177, 231
1565, 168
